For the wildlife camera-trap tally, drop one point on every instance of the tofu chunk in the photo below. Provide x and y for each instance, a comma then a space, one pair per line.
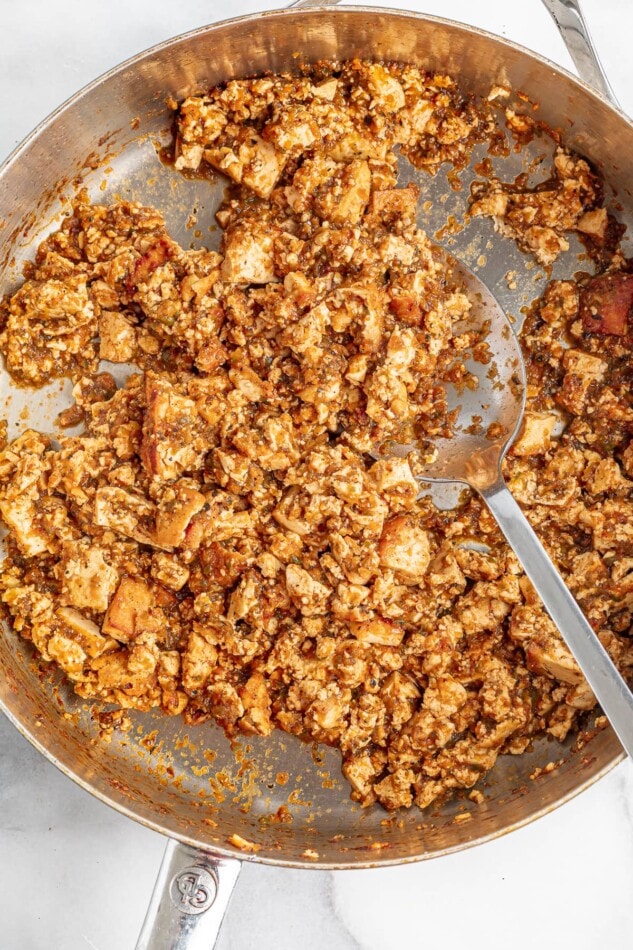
404, 548
249, 160
170, 431
594, 223
248, 255
88, 580
84, 631
535, 434
308, 594
117, 337
198, 661
20, 516
385, 88
552, 658
126, 512
337, 192
378, 631
133, 599
394, 479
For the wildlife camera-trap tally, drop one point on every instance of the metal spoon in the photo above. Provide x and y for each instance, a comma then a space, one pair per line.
473, 457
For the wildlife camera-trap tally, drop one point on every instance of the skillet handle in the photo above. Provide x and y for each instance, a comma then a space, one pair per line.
191, 895
572, 26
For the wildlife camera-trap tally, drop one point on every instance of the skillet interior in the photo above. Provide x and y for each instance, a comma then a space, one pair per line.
104, 139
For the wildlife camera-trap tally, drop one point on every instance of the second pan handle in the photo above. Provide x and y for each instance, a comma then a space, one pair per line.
568, 17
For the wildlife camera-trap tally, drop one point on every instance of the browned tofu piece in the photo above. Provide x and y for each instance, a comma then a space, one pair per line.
594, 223
68, 654
396, 789
378, 631
330, 706
84, 631
535, 433
24, 468
386, 90
250, 384
88, 580
200, 122
117, 337
309, 595
395, 481
582, 369
360, 772
20, 515
338, 192
198, 660
49, 328
126, 512
124, 618
249, 254
170, 431
175, 510
394, 206
401, 697
293, 130
552, 658
249, 160
404, 547
256, 699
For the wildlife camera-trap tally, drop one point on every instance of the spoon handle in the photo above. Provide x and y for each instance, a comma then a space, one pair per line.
611, 690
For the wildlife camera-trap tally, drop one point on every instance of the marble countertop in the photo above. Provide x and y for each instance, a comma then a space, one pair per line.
88, 872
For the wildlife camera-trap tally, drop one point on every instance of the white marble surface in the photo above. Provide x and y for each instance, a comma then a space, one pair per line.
75, 875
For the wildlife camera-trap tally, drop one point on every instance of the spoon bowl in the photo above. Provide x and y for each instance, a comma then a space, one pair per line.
487, 419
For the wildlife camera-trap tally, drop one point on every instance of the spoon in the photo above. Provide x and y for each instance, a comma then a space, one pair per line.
488, 419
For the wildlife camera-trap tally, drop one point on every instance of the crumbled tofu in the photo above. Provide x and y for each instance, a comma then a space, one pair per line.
539, 218
49, 329
219, 542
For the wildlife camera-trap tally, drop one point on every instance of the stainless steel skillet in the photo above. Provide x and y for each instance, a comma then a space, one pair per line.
128, 775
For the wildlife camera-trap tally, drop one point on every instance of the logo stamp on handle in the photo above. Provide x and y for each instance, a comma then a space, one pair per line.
193, 890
